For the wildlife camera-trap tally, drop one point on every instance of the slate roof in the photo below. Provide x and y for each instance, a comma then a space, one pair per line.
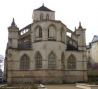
25, 45
88, 46
95, 39
43, 8
71, 47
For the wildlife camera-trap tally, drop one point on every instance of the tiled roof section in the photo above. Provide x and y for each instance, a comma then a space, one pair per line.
43, 8
88, 46
80, 25
13, 25
95, 39
25, 45
71, 47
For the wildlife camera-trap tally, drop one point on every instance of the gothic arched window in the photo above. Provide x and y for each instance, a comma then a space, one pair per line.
24, 63
51, 32
62, 35
48, 33
62, 62
38, 61
89, 63
39, 32
52, 61
71, 62
41, 16
47, 17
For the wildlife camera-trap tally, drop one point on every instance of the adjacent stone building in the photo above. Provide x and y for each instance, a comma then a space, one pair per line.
42, 51
92, 51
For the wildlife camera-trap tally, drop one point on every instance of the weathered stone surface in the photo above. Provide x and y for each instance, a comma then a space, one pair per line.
53, 39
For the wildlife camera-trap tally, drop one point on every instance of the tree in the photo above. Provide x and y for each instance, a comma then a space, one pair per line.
95, 66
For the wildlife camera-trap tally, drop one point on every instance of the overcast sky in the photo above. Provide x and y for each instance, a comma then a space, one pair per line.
70, 12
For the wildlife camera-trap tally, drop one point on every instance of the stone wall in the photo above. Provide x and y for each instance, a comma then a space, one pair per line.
36, 15
48, 76
92, 72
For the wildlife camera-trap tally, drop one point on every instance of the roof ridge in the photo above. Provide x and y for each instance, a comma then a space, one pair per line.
44, 8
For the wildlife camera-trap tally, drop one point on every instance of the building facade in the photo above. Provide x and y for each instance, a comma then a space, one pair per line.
42, 51
92, 51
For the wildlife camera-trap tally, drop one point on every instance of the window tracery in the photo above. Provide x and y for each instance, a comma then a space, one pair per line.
24, 63
52, 61
41, 16
47, 17
38, 61
39, 32
71, 62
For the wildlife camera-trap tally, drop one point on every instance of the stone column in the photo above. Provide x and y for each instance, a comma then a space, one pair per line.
44, 35
58, 35
32, 36
59, 59
44, 56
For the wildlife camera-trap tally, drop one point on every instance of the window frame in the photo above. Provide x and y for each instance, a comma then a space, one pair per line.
40, 32
41, 16
47, 17
52, 61
49, 37
71, 63
23, 63
38, 61
89, 64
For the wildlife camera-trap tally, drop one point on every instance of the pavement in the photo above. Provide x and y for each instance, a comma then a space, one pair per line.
62, 86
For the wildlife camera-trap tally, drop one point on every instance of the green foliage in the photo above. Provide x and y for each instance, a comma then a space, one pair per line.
93, 82
10, 84
93, 78
29, 85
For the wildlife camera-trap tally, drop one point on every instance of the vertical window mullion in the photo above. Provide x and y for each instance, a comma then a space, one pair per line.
41, 16
71, 63
24, 63
38, 61
40, 32
52, 61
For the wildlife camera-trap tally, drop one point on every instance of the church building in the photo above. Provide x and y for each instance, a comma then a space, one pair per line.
42, 52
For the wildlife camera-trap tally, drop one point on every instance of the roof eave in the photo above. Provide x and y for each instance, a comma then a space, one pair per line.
43, 10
